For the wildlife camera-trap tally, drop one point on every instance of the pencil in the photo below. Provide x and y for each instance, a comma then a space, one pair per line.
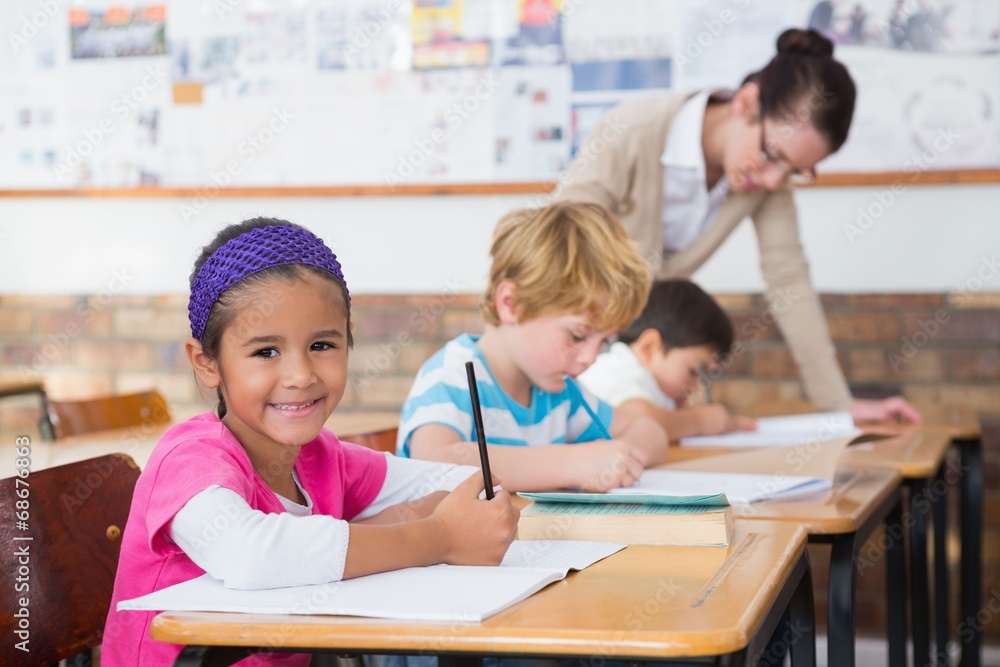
590, 411
477, 415
707, 385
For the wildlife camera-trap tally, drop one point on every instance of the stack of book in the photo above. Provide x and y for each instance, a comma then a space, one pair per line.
637, 519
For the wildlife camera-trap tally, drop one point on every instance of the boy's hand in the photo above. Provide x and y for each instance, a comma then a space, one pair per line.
476, 532
608, 464
714, 419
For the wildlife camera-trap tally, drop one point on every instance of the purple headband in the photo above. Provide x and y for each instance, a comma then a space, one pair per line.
249, 253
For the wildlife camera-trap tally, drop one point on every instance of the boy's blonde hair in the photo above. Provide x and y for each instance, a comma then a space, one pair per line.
568, 257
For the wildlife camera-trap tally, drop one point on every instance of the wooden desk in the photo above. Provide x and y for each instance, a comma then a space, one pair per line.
845, 517
138, 441
643, 603
926, 477
14, 387
348, 424
962, 424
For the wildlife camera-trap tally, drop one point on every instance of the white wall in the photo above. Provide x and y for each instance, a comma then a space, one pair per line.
923, 239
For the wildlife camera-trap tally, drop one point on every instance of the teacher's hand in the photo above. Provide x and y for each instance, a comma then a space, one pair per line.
894, 408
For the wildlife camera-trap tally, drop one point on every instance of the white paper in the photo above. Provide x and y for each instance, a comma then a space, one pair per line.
783, 431
739, 488
561, 555
436, 593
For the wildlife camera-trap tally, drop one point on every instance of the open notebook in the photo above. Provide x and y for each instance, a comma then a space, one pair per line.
739, 488
782, 431
699, 487
435, 593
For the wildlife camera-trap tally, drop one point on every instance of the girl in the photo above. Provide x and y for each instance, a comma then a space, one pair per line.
259, 494
681, 171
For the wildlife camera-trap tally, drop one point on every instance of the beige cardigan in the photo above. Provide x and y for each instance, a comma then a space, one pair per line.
619, 166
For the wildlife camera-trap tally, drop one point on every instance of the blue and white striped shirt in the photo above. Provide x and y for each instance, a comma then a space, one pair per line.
440, 395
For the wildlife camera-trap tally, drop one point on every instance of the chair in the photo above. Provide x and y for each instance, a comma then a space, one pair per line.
381, 441
76, 514
66, 418
12, 387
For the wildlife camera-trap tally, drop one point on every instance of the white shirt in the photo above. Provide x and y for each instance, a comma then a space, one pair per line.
618, 376
688, 206
248, 549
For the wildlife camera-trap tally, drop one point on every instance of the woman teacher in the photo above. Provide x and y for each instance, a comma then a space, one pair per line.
681, 171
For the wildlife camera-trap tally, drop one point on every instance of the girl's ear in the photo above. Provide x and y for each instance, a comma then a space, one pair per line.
647, 345
746, 102
205, 369
505, 300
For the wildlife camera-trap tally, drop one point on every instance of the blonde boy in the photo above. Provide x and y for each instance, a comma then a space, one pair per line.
564, 278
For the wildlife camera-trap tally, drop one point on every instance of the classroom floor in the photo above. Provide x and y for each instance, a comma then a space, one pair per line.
872, 652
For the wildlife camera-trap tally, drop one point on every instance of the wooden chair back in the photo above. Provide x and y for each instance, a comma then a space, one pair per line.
107, 412
66, 570
381, 441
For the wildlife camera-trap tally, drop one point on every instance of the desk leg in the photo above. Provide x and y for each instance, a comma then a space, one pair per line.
794, 629
971, 512
211, 656
802, 616
459, 661
895, 577
919, 594
941, 598
840, 600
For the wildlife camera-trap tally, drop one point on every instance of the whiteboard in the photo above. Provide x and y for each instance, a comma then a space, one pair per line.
215, 94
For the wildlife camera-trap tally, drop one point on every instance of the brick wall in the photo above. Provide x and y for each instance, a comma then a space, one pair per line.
942, 348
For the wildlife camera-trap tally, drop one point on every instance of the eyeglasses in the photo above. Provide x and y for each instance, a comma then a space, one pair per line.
805, 176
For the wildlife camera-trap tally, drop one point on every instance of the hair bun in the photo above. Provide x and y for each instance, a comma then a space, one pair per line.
804, 42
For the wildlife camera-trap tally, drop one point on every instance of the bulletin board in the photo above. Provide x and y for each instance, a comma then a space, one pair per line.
355, 97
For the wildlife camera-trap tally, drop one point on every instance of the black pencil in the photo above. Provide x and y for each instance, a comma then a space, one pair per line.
706, 383
477, 416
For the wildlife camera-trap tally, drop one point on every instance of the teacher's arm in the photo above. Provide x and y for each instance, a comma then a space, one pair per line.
794, 304
796, 308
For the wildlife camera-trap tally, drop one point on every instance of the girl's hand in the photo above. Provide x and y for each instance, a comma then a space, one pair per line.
607, 464
476, 532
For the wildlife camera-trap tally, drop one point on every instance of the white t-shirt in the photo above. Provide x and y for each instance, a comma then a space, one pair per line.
688, 207
618, 376
297, 548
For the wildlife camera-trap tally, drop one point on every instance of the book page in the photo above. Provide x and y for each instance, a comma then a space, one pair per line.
781, 431
435, 593
740, 488
818, 458
561, 555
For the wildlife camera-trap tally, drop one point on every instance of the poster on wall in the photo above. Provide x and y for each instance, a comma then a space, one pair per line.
970, 26
719, 42
118, 32
920, 112
532, 134
325, 92
539, 40
438, 38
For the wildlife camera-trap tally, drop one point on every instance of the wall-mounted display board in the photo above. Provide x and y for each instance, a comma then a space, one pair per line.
387, 96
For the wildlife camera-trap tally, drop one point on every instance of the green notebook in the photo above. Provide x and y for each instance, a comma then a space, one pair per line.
713, 500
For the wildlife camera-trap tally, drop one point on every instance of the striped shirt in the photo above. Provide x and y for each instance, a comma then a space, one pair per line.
440, 395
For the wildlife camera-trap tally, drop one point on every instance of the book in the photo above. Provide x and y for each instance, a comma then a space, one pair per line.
693, 487
631, 523
783, 430
436, 593
740, 488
